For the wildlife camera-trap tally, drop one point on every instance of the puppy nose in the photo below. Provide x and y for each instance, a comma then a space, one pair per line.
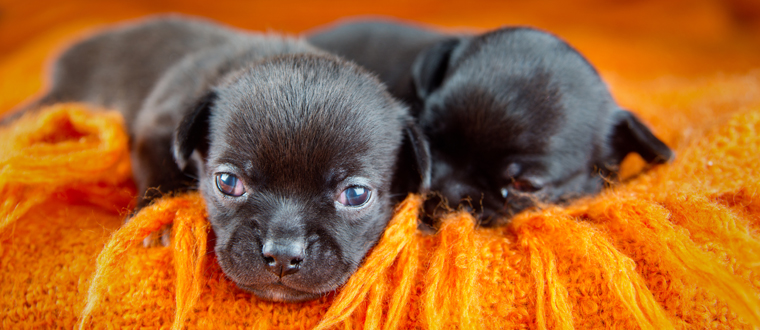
282, 258
459, 194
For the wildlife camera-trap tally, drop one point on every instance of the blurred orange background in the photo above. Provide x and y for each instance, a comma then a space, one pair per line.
683, 65
634, 37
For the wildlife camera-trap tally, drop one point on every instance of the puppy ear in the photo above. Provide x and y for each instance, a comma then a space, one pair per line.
192, 130
413, 164
629, 134
429, 68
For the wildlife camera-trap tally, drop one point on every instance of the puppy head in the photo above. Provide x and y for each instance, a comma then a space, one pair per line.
517, 116
296, 158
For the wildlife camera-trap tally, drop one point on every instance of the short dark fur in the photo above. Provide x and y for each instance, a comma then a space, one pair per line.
294, 124
513, 116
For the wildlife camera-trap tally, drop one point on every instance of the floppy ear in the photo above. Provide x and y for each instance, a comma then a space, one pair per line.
429, 68
192, 131
629, 134
413, 164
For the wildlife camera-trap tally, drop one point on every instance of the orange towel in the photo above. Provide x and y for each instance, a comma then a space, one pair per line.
674, 247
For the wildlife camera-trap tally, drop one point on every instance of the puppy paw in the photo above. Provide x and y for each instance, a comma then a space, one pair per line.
159, 238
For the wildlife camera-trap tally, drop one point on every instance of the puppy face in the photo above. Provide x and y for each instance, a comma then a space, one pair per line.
517, 116
297, 172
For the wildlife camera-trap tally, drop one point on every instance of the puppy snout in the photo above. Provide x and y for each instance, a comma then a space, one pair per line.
282, 258
461, 194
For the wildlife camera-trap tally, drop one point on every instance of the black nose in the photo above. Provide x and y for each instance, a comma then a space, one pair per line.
282, 258
457, 192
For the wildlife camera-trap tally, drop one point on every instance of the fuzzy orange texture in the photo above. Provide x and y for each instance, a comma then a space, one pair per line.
675, 246
660, 252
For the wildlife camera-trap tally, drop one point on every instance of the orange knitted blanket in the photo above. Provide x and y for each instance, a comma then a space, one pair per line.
677, 246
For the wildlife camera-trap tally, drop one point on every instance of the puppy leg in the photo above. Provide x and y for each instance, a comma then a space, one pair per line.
156, 174
628, 135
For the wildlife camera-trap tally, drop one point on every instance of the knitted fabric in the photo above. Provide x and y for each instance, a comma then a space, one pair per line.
675, 247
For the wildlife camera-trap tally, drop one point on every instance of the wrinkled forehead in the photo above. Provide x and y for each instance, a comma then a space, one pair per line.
489, 118
295, 146
495, 112
296, 131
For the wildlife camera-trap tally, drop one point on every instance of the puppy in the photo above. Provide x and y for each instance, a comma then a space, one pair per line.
298, 154
513, 116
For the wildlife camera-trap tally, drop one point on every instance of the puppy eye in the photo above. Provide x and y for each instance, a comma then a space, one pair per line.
229, 185
354, 196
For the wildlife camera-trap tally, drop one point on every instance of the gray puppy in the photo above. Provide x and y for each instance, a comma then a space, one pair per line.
513, 116
298, 154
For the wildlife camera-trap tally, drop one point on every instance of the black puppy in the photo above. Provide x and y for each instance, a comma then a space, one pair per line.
513, 116
295, 151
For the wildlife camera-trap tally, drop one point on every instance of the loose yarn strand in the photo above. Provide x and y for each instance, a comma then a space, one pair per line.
677, 249
190, 244
451, 292
408, 263
148, 220
556, 232
398, 234
547, 282
375, 309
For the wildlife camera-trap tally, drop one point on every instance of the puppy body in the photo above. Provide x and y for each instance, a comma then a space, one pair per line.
385, 48
513, 116
153, 72
295, 151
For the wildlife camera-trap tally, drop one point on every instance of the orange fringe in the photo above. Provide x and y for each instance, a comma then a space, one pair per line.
446, 280
190, 234
676, 249
616, 268
371, 278
451, 297
189, 243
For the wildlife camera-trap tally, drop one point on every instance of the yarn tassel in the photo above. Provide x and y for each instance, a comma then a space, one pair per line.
407, 268
547, 281
677, 249
581, 239
375, 308
399, 233
451, 293
148, 220
190, 243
